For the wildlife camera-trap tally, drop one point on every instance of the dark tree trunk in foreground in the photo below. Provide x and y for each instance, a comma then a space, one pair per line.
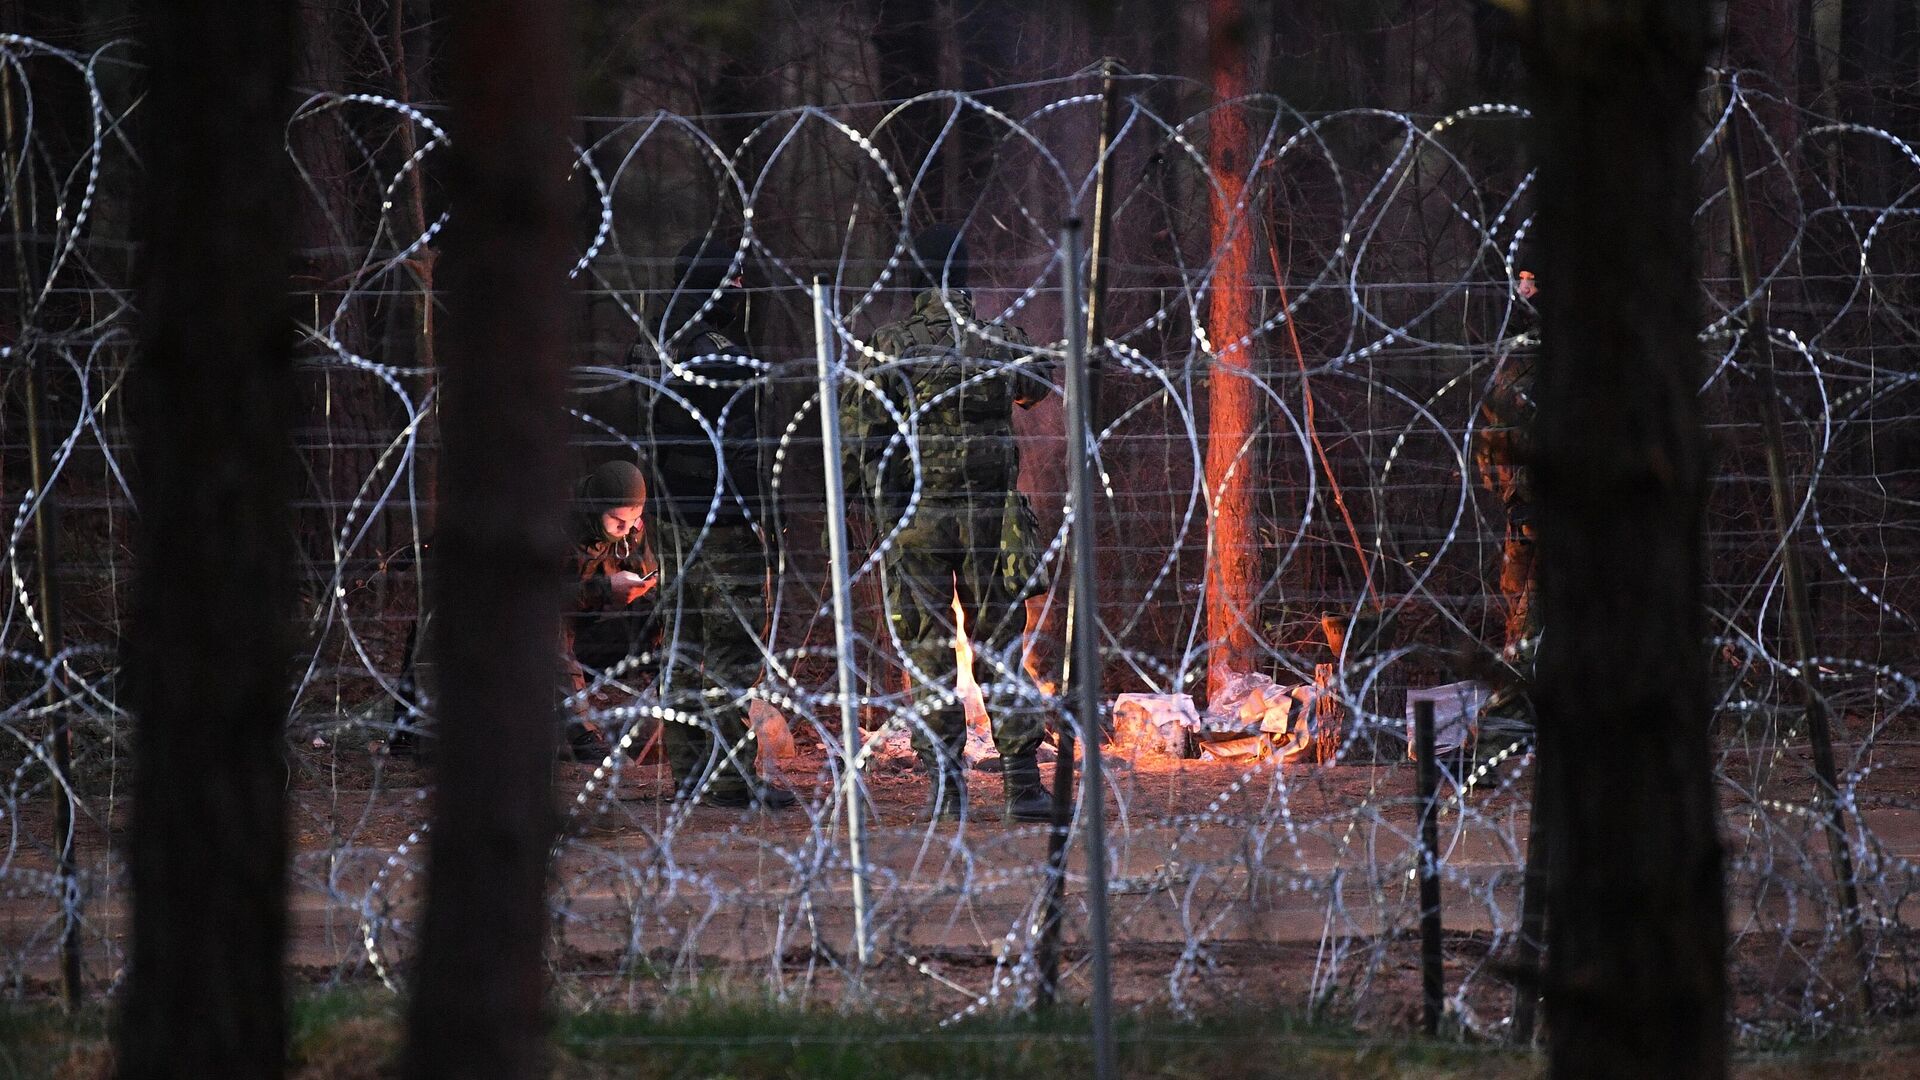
1636, 980
209, 651
480, 991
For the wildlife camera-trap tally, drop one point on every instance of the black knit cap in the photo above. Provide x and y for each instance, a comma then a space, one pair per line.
702, 263
612, 486
939, 259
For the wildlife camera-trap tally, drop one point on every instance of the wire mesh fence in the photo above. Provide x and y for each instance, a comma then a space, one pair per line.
1261, 820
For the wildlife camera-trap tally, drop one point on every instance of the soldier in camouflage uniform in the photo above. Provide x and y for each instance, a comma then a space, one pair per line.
1502, 453
971, 533
711, 548
1501, 456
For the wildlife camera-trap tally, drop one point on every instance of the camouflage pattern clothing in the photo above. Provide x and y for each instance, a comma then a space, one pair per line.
1500, 456
711, 497
972, 533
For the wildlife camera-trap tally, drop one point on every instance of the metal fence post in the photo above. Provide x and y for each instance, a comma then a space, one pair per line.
1084, 690
842, 608
1432, 983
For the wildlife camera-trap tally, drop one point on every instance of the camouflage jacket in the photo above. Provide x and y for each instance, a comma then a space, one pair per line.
956, 381
1504, 446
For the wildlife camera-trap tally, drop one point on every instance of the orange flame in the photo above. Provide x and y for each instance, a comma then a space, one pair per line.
964, 684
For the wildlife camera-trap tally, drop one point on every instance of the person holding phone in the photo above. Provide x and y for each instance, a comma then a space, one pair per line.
610, 626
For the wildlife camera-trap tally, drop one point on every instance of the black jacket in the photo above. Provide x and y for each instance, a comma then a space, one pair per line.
694, 477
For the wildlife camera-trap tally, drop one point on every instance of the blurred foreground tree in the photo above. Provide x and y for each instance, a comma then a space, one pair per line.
1636, 981
209, 648
479, 1005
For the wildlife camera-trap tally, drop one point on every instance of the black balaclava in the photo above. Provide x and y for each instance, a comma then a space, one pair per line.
700, 267
939, 259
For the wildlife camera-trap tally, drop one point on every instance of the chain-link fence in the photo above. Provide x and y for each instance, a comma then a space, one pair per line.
1364, 274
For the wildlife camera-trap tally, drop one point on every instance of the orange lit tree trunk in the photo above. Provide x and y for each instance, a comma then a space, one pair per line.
1233, 459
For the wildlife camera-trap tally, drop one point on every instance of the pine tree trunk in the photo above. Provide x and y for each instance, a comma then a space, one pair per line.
338, 410
1877, 70
1636, 980
907, 46
480, 998
209, 656
1234, 461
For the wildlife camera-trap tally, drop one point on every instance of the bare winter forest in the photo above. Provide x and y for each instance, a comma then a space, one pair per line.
1552, 363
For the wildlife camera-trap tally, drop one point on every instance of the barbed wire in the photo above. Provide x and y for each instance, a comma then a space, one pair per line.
1386, 337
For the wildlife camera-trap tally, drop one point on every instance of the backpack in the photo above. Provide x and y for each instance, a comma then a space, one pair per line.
958, 409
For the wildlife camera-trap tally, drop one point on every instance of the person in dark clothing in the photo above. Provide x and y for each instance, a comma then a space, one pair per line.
705, 436
610, 628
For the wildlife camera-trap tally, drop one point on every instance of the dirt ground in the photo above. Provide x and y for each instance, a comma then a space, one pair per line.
355, 809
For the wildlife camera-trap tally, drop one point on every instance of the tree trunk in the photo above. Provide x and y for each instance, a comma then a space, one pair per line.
335, 406
1233, 458
480, 996
209, 654
411, 84
907, 46
1877, 65
1636, 981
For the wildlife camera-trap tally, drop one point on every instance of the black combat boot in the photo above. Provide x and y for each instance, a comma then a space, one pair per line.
586, 743
1027, 798
946, 791
761, 795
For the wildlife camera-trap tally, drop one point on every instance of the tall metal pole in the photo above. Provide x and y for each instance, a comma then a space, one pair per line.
1102, 246
1084, 658
46, 539
842, 609
1083, 623
1533, 916
1427, 778
1799, 615
1047, 950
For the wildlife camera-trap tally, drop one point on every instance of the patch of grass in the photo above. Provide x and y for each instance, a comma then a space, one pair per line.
356, 1034
344, 1034
743, 1042
43, 1040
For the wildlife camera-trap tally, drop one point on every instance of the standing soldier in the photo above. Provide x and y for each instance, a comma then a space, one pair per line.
1501, 456
970, 533
705, 438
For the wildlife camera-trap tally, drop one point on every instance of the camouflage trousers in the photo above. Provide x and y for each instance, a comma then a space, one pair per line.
714, 613
950, 548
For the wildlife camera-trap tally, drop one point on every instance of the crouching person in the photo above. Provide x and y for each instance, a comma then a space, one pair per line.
611, 628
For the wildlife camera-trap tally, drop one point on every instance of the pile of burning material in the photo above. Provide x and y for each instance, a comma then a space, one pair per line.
1253, 718
1154, 725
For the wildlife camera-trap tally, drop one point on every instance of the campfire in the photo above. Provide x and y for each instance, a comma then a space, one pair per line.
964, 684
972, 698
